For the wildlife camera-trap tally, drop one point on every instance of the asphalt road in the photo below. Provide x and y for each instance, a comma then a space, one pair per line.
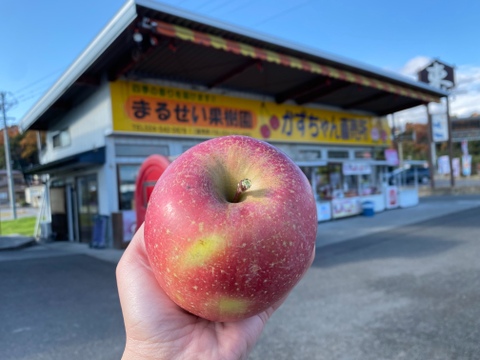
59, 307
408, 293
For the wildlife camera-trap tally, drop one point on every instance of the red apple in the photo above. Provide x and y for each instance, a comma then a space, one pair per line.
230, 228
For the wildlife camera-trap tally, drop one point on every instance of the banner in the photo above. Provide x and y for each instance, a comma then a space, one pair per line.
464, 147
391, 197
443, 164
391, 156
467, 165
154, 109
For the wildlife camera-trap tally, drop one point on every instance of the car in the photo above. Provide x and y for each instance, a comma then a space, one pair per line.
422, 175
407, 176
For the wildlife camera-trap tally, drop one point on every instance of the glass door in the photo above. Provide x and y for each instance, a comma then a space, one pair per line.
87, 196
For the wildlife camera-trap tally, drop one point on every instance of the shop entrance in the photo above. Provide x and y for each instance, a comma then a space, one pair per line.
58, 208
87, 208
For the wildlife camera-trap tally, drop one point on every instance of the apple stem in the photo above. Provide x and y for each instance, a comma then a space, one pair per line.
242, 186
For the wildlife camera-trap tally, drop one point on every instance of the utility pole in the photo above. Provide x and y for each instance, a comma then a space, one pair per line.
450, 144
11, 192
431, 148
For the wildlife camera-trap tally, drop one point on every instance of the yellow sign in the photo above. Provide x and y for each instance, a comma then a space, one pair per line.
146, 108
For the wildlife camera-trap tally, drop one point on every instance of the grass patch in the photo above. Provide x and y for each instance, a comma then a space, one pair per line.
23, 226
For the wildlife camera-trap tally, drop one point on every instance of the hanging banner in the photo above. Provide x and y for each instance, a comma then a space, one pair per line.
464, 147
467, 165
391, 156
153, 109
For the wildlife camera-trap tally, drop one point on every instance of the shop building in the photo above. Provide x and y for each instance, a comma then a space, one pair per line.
158, 80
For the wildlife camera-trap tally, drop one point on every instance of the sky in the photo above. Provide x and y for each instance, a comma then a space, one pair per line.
41, 39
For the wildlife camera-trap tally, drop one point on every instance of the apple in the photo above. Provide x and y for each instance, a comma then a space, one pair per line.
230, 228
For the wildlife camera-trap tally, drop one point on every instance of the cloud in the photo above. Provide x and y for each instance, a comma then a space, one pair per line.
413, 66
465, 98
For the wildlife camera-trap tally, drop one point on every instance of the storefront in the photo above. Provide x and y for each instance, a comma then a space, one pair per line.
187, 79
334, 149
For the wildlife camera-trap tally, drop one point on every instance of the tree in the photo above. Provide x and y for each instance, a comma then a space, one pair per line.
23, 148
416, 149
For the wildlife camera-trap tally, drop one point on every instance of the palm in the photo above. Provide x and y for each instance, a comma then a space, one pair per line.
159, 329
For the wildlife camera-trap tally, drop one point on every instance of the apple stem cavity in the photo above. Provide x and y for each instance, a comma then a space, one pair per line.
242, 186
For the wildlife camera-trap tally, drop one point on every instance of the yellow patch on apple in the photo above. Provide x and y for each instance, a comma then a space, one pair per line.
228, 306
202, 250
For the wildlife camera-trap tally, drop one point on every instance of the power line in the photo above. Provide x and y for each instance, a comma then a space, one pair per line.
180, 2
220, 6
243, 6
202, 5
31, 94
288, 10
7, 105
26, 87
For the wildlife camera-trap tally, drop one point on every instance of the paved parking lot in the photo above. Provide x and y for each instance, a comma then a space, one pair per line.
401, 285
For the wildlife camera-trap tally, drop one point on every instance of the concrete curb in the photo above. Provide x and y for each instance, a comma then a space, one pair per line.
465, 190
15, 242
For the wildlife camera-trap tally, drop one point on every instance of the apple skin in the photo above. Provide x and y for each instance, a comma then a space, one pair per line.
226, 261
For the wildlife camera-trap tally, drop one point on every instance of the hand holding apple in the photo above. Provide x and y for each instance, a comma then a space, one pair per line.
230, 228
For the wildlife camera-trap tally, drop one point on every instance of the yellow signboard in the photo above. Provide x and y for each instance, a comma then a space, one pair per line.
147, 108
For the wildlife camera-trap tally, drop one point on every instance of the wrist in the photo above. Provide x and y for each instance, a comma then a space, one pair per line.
140, 351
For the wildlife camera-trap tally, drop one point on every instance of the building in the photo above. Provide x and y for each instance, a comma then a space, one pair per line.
466, 129
19, 186
158, 80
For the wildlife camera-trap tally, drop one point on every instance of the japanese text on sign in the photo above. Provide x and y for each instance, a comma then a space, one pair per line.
309, 125
175, 113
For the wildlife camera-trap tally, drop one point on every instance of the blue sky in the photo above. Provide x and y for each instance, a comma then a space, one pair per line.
40, 39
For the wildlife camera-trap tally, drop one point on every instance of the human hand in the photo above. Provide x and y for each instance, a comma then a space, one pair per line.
157, 328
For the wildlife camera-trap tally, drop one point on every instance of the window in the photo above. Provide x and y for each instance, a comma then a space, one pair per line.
127, 175
337, 154
61, 139
310, 154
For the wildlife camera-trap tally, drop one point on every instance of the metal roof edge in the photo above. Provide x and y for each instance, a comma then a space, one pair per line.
154, 5
107, 35
127, 14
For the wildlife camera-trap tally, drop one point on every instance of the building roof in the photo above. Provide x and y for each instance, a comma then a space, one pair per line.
466, 129
180, 46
